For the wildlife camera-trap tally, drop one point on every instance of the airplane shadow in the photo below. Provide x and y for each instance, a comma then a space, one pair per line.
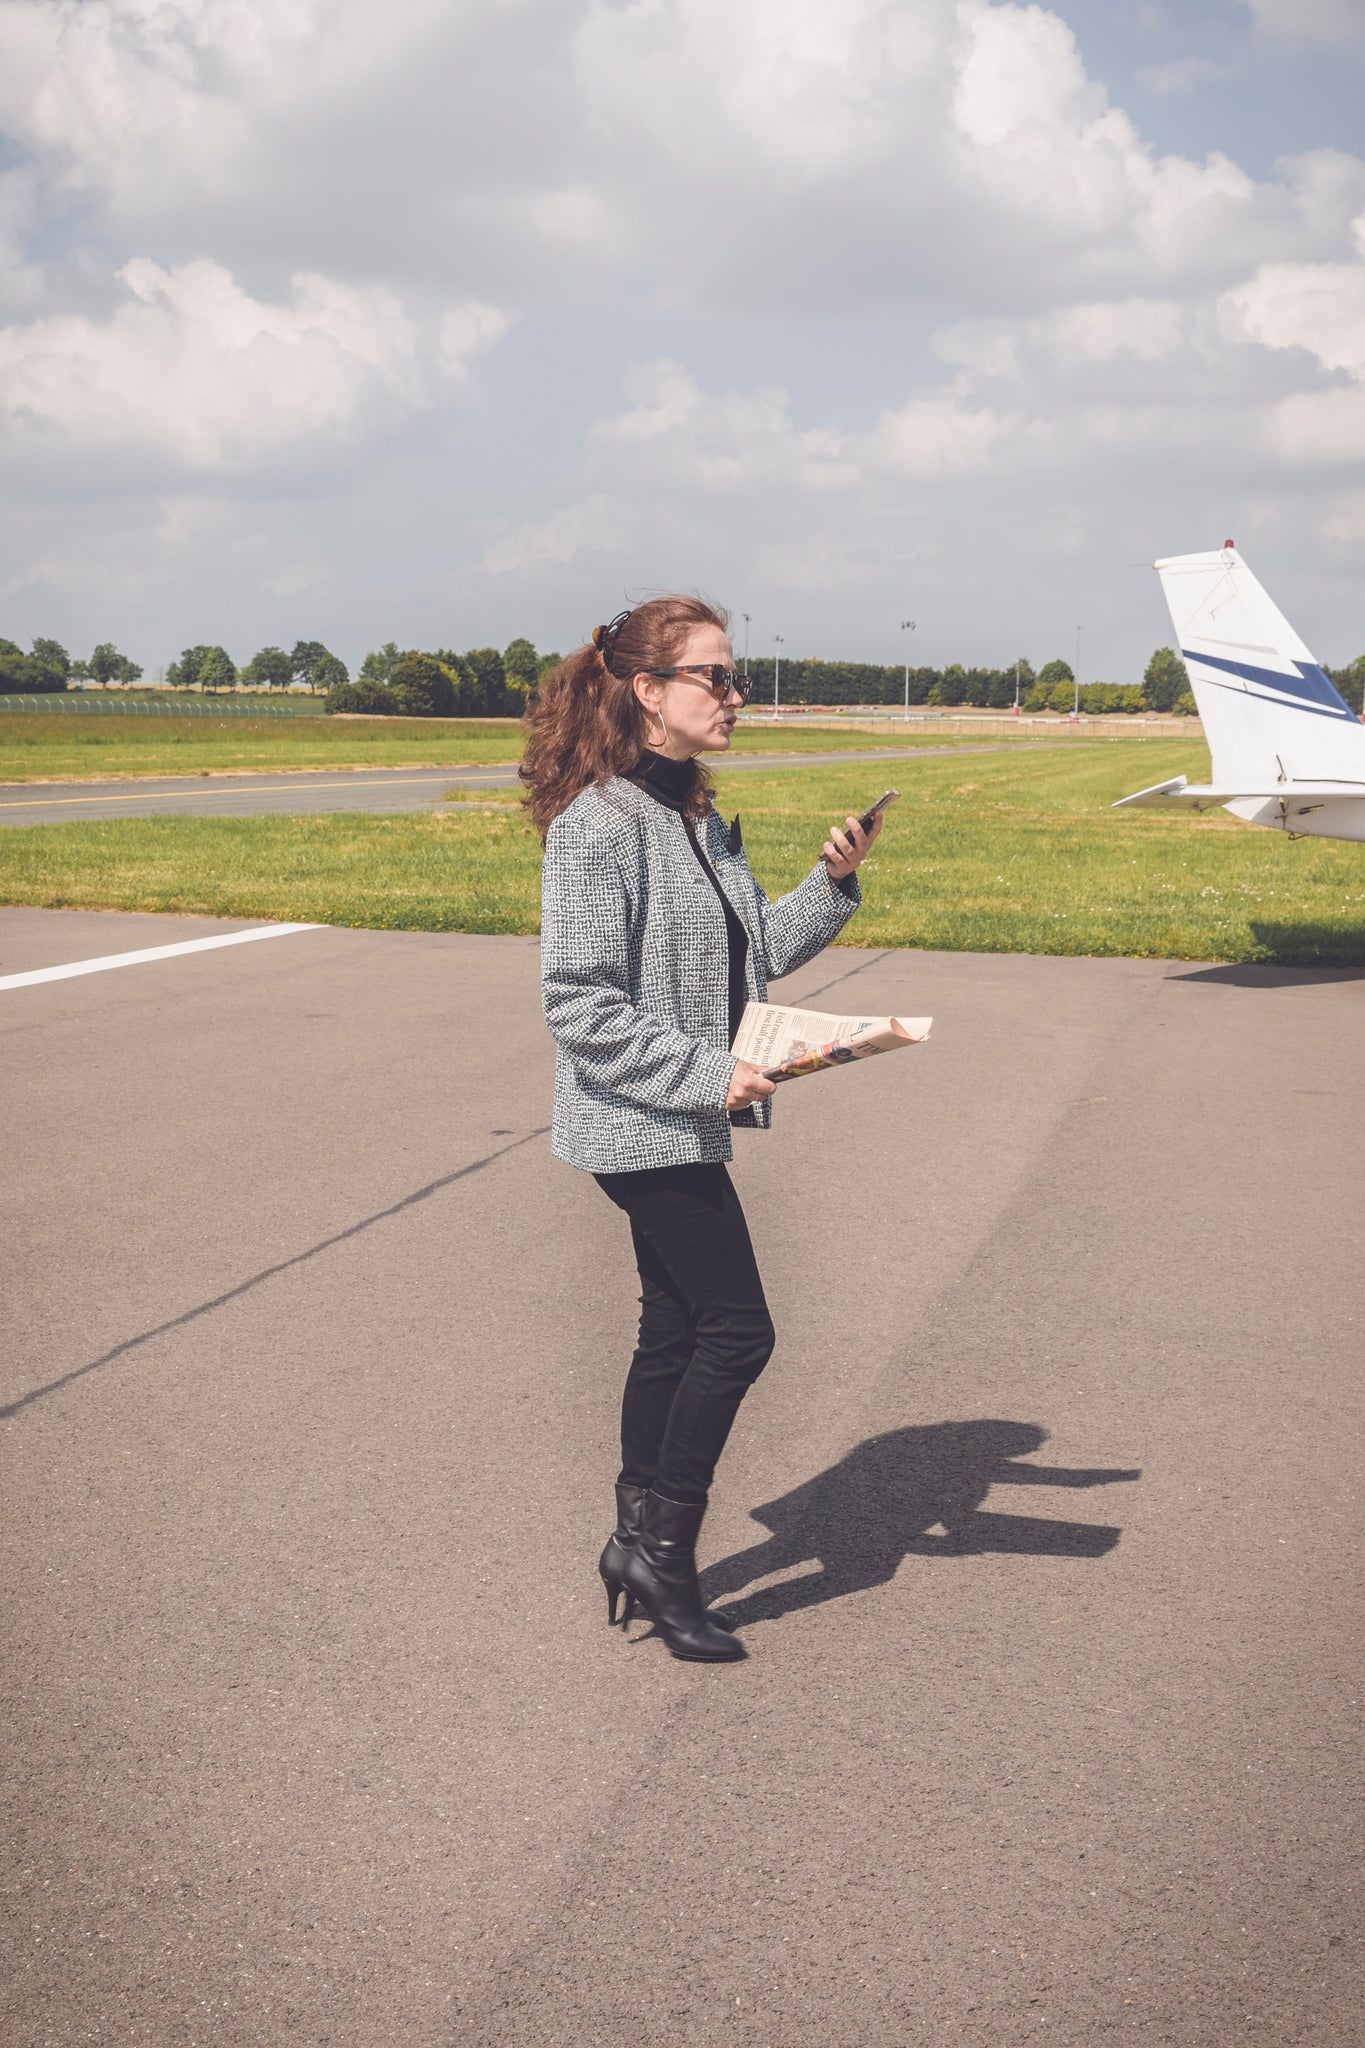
913, 1492
1300, 955
1301, 944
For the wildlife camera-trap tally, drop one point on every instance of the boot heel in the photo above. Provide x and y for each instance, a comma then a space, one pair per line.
660, 1572
613, 1596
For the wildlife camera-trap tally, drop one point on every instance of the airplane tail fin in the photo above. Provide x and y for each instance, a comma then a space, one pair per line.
1271, 713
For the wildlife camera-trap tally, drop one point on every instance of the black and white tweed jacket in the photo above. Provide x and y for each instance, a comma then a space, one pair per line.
635, 976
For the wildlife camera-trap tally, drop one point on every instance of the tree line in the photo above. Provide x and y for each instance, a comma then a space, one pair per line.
481, 683
49, 667
485, 683
1165, 685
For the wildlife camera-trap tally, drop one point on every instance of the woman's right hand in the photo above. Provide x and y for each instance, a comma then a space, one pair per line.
748, 1085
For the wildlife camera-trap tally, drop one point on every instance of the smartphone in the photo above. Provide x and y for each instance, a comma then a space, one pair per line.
869, 818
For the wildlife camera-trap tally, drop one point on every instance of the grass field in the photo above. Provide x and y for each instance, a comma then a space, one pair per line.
34, 748
39, 749
997, 853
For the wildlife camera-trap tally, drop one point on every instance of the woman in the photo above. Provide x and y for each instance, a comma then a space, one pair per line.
654, 936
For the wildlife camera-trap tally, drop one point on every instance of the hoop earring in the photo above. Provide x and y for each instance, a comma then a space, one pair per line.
651, 714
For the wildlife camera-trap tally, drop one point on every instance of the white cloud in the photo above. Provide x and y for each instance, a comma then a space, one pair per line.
193, 369
112, 92
713, 155
1077, 337
939, 435
1318, 308
594, 525
733, 441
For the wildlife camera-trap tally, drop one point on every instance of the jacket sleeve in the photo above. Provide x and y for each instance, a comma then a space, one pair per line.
802, 923
617, 1048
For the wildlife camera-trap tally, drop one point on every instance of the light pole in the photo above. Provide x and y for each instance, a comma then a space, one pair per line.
1017, 666
907, 626
777, 671
1076, 678
746, 643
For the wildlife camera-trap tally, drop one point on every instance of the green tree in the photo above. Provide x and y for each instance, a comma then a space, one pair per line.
521, 663
1349, 680
378, 664
545, 663
1104, 698
216, 670
468, 695
1056, 672
304, 660
23, 676
483, 666
422, 687
267, 670
366, 696
521, 673
328, 671
107, 665
184, 674
53, 655
1164, 680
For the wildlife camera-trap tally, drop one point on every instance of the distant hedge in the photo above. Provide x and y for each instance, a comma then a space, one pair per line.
1098, 699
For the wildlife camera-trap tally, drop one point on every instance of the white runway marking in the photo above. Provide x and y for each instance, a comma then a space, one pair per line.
264, 931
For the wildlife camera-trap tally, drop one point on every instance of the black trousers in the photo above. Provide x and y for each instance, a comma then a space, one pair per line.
705, 1331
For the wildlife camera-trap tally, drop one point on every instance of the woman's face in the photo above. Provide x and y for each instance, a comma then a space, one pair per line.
694, 723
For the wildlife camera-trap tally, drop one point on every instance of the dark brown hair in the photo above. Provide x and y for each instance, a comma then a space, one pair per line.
585, 722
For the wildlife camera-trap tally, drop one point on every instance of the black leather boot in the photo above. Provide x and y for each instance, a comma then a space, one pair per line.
660, 1570
630, 1509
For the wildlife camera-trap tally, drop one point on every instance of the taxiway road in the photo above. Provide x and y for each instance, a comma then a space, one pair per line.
1042, 1526
350, 789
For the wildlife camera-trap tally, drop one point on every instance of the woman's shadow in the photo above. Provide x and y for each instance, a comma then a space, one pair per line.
913, 1492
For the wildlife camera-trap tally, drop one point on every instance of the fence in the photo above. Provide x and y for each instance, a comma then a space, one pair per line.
81, 705
868, 717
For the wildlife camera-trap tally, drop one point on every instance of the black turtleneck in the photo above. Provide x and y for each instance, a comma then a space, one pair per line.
670, 784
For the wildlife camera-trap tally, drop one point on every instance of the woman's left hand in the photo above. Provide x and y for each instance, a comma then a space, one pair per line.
842, 851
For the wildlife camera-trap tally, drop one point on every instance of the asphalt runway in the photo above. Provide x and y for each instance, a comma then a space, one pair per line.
1042, 1526
356, 789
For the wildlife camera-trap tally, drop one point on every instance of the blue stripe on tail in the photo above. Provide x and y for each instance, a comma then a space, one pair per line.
1312, 687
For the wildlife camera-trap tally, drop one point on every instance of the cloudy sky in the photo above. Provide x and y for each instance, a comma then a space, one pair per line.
447, 320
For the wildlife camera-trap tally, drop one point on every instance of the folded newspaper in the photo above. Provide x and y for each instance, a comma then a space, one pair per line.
785, 1043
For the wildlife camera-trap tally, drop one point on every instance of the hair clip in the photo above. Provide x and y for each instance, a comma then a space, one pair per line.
604, 637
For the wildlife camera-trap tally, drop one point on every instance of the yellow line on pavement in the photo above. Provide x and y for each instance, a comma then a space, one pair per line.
130, 796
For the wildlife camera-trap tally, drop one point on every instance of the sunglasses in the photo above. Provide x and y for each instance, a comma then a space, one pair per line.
714, 676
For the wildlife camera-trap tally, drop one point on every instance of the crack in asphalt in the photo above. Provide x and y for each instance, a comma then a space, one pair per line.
205, 1308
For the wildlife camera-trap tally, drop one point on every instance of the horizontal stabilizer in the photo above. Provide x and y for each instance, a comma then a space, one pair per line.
1181, 795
